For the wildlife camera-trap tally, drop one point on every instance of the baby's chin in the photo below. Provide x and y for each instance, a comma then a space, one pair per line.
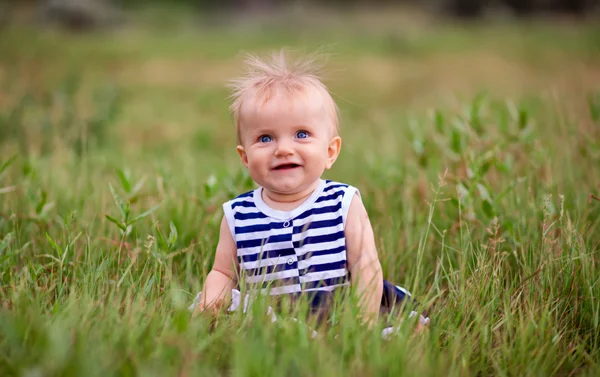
290, 189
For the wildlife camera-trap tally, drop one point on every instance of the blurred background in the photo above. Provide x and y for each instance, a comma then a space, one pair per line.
85, 14
144, 82
155, 71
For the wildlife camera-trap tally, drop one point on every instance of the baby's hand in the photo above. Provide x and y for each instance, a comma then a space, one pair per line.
419, 328
421, 325
211, 309
197, 310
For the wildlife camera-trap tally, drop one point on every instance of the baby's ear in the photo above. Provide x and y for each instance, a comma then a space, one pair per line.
333, 151
243, 156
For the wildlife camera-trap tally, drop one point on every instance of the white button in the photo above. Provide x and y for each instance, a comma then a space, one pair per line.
290, 261
286, 224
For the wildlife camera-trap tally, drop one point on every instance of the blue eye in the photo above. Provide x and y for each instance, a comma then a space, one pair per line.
265, 138
302, 134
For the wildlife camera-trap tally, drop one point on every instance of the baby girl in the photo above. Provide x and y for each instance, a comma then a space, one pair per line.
297, 234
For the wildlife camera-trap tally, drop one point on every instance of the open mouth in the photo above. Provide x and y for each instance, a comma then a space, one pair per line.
286, 166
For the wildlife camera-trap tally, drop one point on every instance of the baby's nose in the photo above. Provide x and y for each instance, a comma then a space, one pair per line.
283, 149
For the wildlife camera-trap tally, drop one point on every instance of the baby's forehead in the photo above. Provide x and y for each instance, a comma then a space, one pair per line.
274, 103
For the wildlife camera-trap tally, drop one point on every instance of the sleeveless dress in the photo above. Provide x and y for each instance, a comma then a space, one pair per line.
298, 252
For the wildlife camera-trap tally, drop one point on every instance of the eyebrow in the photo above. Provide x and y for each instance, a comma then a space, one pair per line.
297, 126
261, 130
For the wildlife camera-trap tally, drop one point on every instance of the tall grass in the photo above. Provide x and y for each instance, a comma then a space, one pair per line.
486, 211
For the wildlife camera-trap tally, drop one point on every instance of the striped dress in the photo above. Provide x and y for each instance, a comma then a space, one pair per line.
299, 251
290, 252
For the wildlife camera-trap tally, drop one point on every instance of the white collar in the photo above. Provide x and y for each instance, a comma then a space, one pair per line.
287, 215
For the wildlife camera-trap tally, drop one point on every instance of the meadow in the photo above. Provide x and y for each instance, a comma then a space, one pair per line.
476, 150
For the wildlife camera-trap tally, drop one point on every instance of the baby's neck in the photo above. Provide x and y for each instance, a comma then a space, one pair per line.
287, 202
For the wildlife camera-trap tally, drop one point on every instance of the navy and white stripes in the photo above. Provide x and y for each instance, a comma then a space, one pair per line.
292, 251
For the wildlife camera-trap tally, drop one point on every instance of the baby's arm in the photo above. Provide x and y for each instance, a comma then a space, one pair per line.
363, 261
222, 278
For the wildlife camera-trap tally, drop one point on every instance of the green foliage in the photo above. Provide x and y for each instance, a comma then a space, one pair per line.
125, 224
43, 124
110, 213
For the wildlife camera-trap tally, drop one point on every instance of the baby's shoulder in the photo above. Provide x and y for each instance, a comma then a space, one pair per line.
243, 199
339, 195
340, 187
331, 184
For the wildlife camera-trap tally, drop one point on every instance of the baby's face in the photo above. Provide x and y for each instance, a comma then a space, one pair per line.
287, 144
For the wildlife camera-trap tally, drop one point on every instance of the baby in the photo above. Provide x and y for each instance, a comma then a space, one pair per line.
296, 234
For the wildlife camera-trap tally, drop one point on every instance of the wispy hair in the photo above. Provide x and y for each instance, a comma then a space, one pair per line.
264, 77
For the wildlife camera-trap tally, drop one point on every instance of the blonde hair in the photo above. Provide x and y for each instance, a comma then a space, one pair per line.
263, 77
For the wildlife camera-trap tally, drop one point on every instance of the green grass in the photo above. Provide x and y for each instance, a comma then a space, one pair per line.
476, 150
